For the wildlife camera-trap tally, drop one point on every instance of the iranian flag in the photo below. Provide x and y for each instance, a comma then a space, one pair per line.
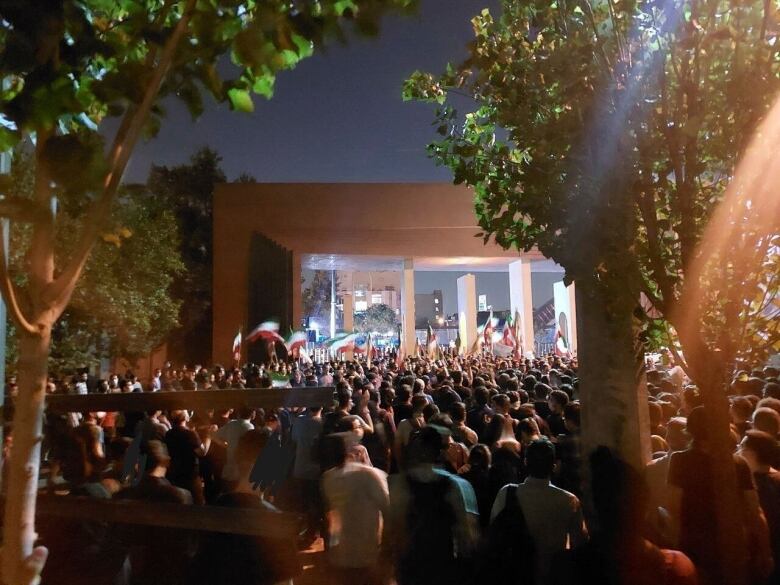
518, 329
488, 330
295, 342
363, 344
237, 347
400, 356
561, 345
268, 330
279, 380
432, 344
344, 343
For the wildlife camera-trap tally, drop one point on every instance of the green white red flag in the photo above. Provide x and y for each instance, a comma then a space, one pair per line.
237, 347
268, 330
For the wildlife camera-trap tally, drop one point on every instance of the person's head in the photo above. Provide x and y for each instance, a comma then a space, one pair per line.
658, 444
656, 414
771, 390
540, 458
458, 412
245, 413
741, 409
676, 435
571, 416
84, 458
125, 386
691, 398
557, 401
541, 391
759, 450
696, 425
529, 430
479, 457
425, 446
500, 403
767, 420
404, 394
179, 417
157, 458
481, 395
344, 397
772, 403
352, 424
419, 402
429, 411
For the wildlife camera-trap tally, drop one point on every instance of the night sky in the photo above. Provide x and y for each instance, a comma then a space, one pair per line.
337, 117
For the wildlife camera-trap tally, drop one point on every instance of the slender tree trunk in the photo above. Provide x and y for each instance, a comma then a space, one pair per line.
19, 528
612, 382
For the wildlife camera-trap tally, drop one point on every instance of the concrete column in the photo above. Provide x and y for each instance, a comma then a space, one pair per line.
467, 310
573, 320
348, 304
521, 301
407, 305
563, 297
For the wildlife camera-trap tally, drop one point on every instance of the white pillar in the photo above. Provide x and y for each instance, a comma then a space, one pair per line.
521, 301
573, 320
563, 297
407, 306
349, 319
467, 310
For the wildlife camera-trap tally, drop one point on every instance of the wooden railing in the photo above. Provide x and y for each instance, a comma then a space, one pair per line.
248, 521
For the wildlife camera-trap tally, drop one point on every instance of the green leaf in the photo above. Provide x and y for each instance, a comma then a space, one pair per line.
264, 85
241, 100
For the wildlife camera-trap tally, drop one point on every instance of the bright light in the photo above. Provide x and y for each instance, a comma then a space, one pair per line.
440, 320
313, 325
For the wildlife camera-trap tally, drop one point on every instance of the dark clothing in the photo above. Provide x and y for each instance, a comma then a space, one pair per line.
568, 451
156, 555
182, 444
236, 559
330, 421
477, 420
556, 424
542, 408
428, 556
483, 489
401, 412
768, 487
692, 472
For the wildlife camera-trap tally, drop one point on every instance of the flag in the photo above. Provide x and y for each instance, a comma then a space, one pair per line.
417, 348
295, 342
362, 344
344, 343
518, 326
432, 344
279, 380
458, 344
561, 346
237, 347
268, 330
506, 345
488, 330
304, 355
400, 356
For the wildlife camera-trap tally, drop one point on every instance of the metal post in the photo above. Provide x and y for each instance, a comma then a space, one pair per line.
5, 168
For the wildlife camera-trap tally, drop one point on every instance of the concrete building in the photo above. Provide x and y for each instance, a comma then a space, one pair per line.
266, 235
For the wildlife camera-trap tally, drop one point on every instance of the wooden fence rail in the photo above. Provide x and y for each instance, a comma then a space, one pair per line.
248, 521
268, 398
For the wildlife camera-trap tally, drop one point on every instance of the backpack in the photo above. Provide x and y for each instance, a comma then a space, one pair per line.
508, 555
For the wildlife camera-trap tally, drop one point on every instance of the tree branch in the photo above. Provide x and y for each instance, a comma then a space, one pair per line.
61, 289
9, 293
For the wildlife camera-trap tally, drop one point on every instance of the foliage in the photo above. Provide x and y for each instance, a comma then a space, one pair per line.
187, 190
605, 134
122, 305
381, 318
317, 297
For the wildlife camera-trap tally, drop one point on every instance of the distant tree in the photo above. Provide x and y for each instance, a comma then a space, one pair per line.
187, 190
122, 305
317, 297
246, 178
381, 318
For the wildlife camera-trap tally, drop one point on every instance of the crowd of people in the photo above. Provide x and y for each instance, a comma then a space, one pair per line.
458, 470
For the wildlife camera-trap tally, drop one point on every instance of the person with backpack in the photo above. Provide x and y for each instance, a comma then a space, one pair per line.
552, 516
433, 521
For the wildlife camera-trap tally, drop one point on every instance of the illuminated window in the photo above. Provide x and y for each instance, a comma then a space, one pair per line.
436, 301
376, 299
359, 294
360, 306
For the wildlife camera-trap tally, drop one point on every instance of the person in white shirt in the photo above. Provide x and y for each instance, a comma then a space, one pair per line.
356, 501
554, 516
229, 436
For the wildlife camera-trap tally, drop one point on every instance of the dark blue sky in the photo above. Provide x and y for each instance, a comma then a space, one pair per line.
337, 117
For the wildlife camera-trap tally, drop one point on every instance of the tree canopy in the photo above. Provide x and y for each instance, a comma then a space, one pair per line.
381, 318
606, 133
122, 306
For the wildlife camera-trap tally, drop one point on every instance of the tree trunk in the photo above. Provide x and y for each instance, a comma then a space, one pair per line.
612, 386
19, 563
